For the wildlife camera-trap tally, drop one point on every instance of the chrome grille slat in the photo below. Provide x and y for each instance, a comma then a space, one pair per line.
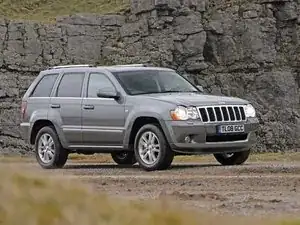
228, 113
201, 118
222, 114
239, 108
211, 114
208, 119
231, 113
235, 113
218, 113
213, 108
242, 111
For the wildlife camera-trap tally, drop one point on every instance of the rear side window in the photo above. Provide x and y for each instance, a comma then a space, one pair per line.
70, 85
45, 85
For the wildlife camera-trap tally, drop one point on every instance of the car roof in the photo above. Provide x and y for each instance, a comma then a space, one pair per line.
112, 69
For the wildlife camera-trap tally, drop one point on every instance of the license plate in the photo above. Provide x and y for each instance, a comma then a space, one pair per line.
225, 129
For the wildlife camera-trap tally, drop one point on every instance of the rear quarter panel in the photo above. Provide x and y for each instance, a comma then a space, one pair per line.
55, 117
36, 110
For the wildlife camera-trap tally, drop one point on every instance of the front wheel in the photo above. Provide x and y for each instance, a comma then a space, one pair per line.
124, 158
236, 158
151, 148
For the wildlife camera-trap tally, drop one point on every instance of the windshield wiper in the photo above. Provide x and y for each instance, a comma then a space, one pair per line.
162, 92
146, 93
193, 91
170, 91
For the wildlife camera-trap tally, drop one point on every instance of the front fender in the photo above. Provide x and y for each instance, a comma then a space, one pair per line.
132, 118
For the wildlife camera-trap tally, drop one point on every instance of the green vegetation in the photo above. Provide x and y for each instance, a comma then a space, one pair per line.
106, 158
269, 157
30, 198
255, 157
48, 10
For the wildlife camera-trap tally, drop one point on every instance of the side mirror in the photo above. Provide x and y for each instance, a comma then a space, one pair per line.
108, 93
200, 88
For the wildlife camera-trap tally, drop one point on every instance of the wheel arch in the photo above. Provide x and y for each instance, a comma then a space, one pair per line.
137, 122
39, 124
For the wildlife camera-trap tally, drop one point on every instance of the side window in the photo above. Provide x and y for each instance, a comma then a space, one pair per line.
98, 81
45, 85
70, 85
139, 82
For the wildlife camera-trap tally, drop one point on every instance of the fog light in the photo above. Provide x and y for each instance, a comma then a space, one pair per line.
187, 139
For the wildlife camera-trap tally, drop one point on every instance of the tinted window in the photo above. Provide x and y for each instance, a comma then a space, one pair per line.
44, 87
98, 81
70, 85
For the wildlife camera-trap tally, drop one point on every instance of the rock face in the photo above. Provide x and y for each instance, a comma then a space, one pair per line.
249, 50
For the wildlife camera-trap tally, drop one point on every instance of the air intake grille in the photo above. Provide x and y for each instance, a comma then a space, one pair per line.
228, 113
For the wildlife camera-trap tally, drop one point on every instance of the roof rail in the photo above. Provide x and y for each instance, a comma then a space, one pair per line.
132, 65
126, 65
89, 65
70, 66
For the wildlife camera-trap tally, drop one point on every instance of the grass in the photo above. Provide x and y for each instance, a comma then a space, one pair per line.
106, 158
29, 197
48, 10
255, 157
283, 157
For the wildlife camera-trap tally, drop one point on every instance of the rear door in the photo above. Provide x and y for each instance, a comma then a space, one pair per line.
65, 106
103, 119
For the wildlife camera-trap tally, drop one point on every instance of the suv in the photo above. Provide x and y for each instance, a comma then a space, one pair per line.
136, 113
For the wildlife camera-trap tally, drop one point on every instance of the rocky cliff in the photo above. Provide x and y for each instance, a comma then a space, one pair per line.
249, 49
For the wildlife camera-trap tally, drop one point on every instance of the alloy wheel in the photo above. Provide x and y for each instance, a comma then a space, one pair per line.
149, 148
46, 148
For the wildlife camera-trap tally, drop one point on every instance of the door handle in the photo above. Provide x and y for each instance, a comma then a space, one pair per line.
89, 107
55, 106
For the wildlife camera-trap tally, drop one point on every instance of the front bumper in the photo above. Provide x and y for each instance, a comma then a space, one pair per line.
204, 137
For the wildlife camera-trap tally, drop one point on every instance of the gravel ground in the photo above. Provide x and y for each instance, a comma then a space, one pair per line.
260, 189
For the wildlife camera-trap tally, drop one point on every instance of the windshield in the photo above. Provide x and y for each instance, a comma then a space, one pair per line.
153, 81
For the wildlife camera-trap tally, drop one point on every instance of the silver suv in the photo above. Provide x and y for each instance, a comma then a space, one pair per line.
136, 113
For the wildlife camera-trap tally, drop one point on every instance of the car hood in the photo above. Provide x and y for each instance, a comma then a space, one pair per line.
196, 99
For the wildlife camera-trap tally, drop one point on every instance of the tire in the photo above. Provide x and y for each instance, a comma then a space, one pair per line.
163, 153
236, 158
59, 154
124, 158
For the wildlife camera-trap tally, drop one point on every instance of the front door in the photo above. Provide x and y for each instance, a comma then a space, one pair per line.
103, 119
65, 107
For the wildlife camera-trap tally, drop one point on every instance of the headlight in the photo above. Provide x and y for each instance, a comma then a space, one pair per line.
250, 111
184, 113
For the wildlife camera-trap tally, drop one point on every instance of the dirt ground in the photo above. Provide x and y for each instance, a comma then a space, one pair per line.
256, 188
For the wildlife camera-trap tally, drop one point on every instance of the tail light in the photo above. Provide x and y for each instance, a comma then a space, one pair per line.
23, 109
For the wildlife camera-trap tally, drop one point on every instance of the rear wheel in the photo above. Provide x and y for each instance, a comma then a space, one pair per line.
124, 158
235, 158
48, 150
151, 148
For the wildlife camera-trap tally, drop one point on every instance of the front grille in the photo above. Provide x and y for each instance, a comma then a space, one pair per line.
226, 138
227, 113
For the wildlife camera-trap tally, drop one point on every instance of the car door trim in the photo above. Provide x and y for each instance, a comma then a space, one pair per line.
93, 129
97, 146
